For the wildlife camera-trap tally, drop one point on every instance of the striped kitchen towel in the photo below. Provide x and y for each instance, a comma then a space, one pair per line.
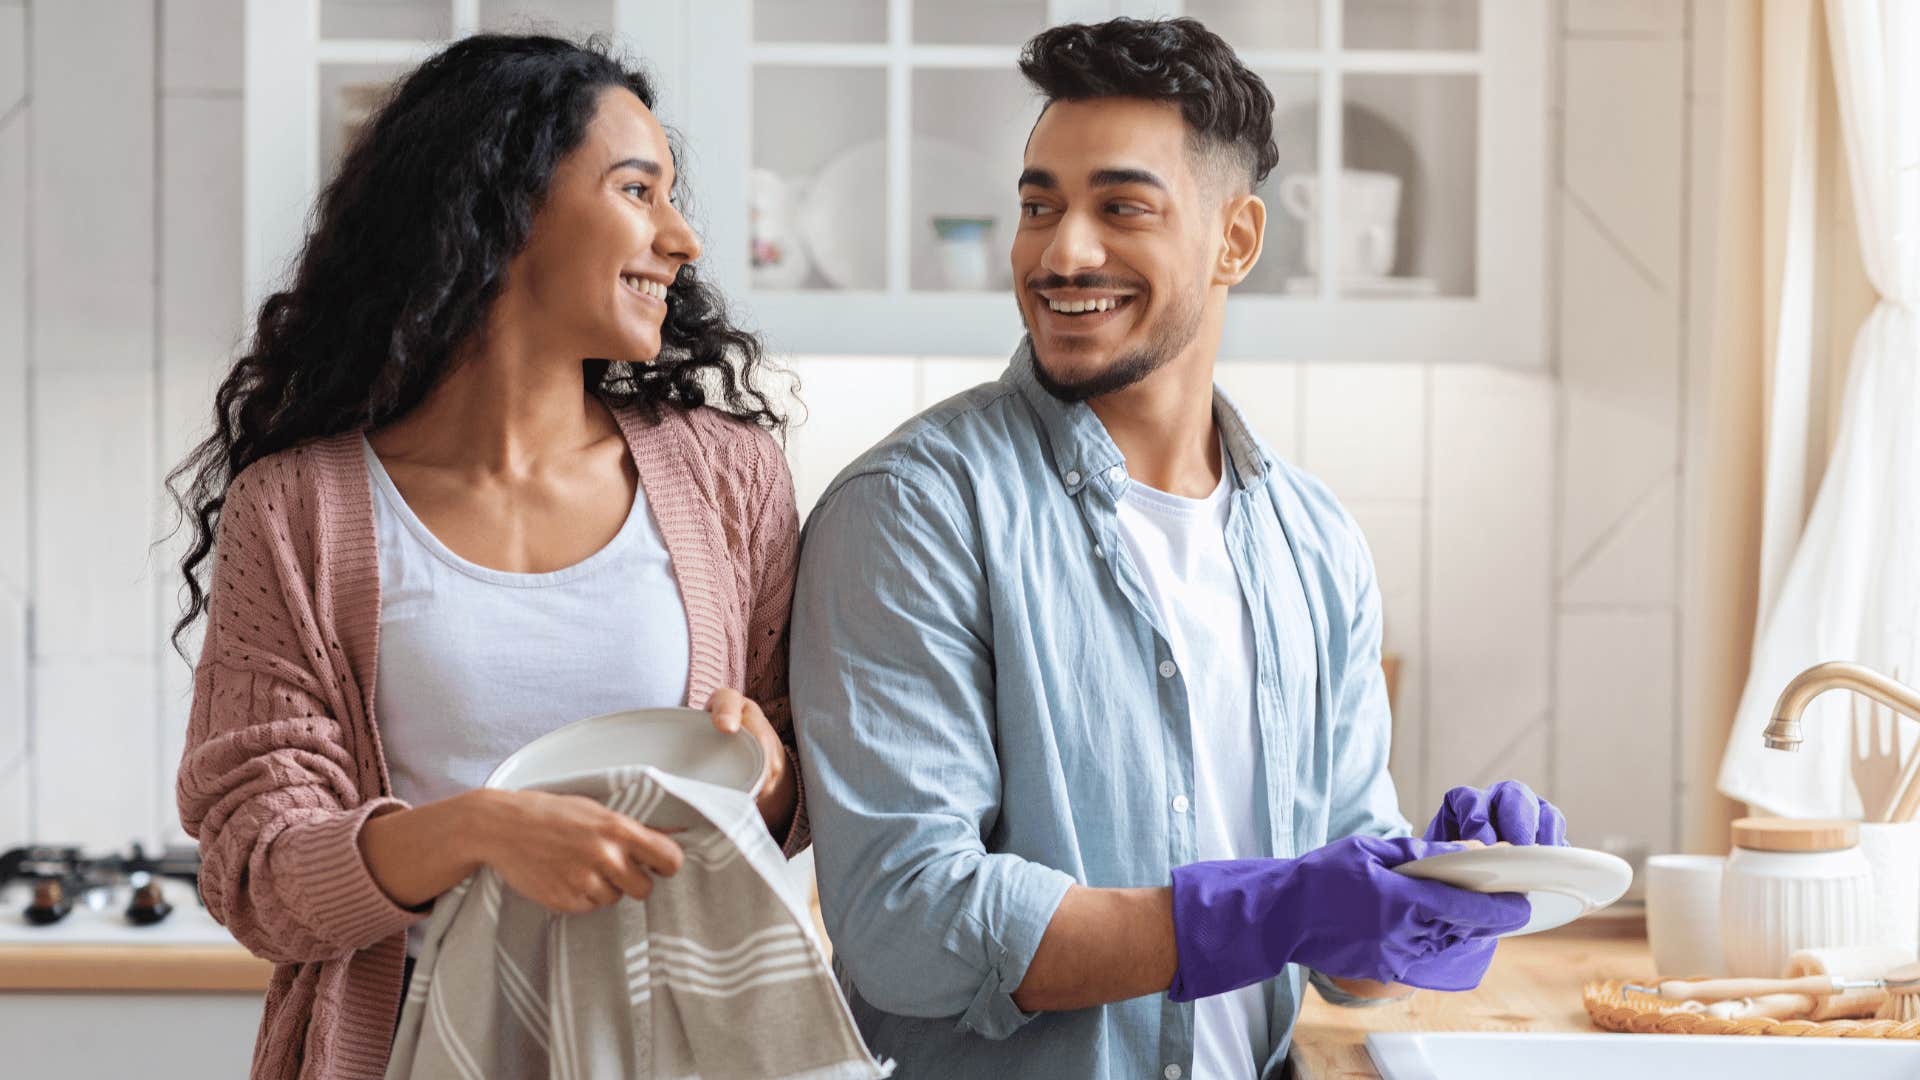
716, 974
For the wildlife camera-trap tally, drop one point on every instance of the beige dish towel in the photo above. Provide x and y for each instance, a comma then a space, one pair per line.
715, 975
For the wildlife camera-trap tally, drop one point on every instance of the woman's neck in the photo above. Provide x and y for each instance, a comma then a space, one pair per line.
502, 409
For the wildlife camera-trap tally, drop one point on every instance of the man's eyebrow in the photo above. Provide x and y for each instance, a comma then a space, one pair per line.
651, 168
1116, 177
1039, 178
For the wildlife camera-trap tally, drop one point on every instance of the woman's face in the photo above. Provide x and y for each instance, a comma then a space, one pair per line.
606, 243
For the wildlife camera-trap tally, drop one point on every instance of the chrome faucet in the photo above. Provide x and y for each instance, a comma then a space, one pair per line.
1783, 733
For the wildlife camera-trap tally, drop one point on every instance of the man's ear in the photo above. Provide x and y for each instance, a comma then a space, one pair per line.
1245, 227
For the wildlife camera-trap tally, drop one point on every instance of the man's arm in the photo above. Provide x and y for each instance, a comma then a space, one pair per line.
1102, 945
892, 684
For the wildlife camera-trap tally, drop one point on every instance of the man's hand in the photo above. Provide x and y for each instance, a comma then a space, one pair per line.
1340, 910
1508, 811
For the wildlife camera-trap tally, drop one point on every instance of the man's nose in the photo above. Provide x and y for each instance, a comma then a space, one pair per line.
1074, 247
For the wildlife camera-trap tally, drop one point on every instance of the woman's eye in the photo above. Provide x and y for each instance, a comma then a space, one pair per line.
638, 191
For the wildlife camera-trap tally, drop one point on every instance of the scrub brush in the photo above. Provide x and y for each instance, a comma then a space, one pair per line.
1902, 1004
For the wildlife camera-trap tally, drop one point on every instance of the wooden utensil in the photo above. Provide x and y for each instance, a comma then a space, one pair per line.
1904, 981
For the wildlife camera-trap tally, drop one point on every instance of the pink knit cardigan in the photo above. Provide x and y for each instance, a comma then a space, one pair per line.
283, 761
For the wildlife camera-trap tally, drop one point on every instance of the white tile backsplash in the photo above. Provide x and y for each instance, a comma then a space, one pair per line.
13, 355
1634, 564
13, 683
1614, 455
1619, 330
1489, 596
93, 228
94, 748
1363, 431
1623, 144
13, 58
94, 491
1614, 747
1665, 18
201, 46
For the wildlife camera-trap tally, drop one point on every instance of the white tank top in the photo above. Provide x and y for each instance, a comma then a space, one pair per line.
475, 663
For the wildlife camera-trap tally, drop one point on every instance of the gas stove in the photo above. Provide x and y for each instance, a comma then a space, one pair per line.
61, 895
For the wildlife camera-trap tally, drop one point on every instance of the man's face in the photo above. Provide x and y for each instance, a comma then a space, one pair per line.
1118, 230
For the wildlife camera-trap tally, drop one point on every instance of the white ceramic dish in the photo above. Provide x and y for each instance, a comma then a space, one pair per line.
1562, 883
680, 741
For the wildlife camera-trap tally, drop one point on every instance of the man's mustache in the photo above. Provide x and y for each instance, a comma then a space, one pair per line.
1081, 281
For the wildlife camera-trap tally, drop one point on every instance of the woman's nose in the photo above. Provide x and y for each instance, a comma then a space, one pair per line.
676, 239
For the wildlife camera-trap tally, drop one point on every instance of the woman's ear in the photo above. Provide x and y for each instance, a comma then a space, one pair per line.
1245, 232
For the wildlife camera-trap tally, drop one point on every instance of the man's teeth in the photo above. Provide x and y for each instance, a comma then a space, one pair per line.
1075, 307
645, 286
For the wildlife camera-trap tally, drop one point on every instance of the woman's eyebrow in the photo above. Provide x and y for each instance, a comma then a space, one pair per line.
651, 168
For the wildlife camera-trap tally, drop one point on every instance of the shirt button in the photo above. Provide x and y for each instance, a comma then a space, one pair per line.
1171, 1072
1180, 805
1099, 552
1117, 474
1167, 669
1073, 478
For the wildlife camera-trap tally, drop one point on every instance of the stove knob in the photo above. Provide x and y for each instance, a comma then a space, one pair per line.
50, 903
149, 905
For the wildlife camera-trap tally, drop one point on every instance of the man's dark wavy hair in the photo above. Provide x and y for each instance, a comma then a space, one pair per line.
408, 249
1227, 108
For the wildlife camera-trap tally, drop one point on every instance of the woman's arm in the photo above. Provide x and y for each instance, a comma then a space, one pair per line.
567, 853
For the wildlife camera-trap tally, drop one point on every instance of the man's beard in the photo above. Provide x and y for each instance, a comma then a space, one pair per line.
1173, 334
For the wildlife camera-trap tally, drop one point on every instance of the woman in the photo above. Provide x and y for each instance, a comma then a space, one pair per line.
470, 453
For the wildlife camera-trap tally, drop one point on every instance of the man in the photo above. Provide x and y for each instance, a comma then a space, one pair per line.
1086, 681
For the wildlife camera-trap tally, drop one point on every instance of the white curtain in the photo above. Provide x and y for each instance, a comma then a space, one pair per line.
1848, 592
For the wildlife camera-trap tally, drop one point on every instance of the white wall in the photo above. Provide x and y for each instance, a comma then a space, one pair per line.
1523, 524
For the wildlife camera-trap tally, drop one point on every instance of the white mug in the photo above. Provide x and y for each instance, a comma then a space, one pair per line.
1369, 219
1683, 914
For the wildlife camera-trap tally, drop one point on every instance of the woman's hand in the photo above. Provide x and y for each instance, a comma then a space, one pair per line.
568, 853
777, 792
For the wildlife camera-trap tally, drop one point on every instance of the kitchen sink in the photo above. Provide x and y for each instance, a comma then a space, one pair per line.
1600, 1056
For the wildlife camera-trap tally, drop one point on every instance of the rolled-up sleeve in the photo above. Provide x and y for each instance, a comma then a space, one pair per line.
892, 691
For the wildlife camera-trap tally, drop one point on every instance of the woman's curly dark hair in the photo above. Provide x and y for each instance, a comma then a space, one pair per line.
1226, 106
408, 249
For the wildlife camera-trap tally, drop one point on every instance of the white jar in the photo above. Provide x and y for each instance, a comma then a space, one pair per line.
1792, 885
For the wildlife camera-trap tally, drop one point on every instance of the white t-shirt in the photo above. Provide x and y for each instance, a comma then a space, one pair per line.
475, 663
1179, 546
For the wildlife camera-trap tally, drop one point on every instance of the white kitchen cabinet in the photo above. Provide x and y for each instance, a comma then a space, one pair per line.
852, 162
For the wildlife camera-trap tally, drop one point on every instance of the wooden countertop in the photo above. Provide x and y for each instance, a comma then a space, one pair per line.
1533, 985
112, 968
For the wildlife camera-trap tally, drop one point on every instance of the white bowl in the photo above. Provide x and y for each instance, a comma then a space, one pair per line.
679, 741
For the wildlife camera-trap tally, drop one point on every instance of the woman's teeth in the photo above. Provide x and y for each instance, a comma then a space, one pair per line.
1075, 307
645, 286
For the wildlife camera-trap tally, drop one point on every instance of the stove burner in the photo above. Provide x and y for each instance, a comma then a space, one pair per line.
59, 875
50, 903
148, 906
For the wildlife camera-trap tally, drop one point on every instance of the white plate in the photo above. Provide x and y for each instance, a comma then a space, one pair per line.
836, 214
680, 741
1562, 883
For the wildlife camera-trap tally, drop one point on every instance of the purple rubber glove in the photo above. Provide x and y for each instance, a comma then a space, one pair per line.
1340, 910
1509, 810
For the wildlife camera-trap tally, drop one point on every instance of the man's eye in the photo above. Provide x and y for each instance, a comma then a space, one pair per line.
1033, 209
1125, 209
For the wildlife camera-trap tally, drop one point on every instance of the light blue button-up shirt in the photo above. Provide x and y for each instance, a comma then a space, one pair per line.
988, 712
